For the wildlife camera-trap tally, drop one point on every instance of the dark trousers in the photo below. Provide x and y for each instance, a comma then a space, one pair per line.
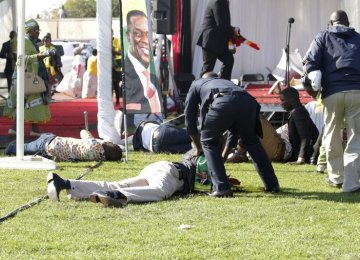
116, 78
209, 60
238, 115
9, 80
171, 139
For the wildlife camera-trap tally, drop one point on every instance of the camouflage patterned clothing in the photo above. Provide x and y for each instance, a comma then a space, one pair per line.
72, 149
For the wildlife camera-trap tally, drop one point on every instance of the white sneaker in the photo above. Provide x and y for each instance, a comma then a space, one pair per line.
321, 168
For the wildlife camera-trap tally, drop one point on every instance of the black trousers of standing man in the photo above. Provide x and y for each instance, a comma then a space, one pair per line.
238, 113
209, 60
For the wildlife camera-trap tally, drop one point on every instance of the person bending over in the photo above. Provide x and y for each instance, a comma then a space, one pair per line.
224, 106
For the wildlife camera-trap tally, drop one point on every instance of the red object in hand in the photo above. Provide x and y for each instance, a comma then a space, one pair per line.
253, 45
241, 39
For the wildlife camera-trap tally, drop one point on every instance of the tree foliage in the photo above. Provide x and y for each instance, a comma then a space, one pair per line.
87, 8
80, 8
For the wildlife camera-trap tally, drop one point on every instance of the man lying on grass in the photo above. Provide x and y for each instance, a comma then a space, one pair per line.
157, 181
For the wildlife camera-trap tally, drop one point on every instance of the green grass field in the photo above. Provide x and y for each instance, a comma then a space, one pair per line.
307, 220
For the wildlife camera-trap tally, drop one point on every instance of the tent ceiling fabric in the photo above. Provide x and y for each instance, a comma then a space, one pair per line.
265, 22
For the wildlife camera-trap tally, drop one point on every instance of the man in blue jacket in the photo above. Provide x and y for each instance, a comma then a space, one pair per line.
335, 54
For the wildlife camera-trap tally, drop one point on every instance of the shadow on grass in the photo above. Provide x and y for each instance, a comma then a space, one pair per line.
335, 196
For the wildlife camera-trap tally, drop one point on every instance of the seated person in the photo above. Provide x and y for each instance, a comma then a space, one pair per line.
161, 138
299, 135
70, 149
272, 142
157, 181
302, 132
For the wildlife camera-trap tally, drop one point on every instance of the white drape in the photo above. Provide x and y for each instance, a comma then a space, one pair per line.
265, 22
109, 120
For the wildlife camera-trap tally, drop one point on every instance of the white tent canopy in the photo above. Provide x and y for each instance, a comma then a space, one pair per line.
265, 22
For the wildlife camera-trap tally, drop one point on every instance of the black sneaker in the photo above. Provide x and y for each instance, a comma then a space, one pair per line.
11, 148
110, 198
332, 184
54, 186
272, 190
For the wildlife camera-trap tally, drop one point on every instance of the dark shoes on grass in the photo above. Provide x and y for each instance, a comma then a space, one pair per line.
54, 186
272, 190
110, 198
221, 194
11, 148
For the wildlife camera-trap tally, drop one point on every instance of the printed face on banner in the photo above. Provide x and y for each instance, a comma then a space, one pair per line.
142, 92
138, 39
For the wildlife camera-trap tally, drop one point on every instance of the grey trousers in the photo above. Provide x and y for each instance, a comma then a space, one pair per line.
343, 165
157, 181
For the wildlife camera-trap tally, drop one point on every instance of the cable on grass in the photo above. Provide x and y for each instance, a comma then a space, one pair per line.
38, 200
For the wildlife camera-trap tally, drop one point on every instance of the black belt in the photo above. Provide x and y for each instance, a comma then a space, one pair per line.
228, 93
154, 137
50, 140
180, 171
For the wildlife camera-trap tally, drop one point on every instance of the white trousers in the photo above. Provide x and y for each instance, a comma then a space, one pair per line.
155, 182
343, 165
90, 86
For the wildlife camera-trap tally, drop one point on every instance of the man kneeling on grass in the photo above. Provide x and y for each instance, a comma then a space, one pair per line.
157, 181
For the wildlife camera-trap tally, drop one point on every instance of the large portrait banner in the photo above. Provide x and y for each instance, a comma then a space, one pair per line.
142, 92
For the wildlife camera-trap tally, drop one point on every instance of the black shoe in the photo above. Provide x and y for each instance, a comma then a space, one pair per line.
332, 184
272, 190
11, 148
110, 198
220, 194
54, 186
356, 191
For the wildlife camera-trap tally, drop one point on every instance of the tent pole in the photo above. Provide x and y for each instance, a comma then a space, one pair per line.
123, 82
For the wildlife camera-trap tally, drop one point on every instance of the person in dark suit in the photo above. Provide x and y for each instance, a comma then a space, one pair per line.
213, 38
222, 105
6, 53
141, 89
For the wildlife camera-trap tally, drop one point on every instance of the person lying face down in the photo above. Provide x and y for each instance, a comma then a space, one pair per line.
157, 181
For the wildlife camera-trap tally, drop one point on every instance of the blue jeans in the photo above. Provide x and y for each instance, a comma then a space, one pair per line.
172, 139
34, 147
